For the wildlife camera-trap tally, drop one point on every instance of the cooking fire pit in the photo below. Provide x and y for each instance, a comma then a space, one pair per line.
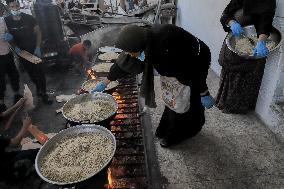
128, 166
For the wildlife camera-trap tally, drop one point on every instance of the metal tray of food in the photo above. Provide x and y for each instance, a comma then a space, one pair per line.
72, 133
276, 37
102, 67
83, 116
91, 83
109, 49
108, 56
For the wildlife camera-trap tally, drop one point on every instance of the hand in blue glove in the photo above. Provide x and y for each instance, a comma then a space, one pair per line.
260, 49
236, 28
7, 36
141, 56
17, 50
37, 52
207, 101
99, 87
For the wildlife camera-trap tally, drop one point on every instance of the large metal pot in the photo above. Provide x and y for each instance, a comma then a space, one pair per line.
249, 31
73, 131
83, 97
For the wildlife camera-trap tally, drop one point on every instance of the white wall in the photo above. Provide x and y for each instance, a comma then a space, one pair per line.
280, 8
272, 82
201, 18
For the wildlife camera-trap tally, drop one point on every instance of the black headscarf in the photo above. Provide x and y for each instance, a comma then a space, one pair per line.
132, 38
259, 6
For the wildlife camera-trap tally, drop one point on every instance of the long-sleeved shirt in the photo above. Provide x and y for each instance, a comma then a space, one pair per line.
261, 13
23, 31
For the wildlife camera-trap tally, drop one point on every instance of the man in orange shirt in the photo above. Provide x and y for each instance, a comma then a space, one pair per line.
78, 54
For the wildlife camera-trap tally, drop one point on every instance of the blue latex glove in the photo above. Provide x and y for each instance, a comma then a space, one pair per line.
131, 4
37, 52
207, 101
236, 28
7, 36
17, 50
141, 56
260, 49
99, 87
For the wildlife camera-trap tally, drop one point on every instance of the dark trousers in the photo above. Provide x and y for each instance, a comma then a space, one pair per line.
35, 72
174, 126
7, 66
78, 63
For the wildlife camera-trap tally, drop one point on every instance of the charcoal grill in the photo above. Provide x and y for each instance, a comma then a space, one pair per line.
128, 167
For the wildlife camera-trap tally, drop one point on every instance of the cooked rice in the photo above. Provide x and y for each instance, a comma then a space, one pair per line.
103, 67
108, 56
244, 46
92, 110
91, 84
78, 157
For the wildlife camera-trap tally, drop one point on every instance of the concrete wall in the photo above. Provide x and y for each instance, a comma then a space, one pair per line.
201, 18
273, 83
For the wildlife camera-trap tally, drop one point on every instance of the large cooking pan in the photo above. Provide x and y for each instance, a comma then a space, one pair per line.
250, 31
92, 82
72, 132
90, 97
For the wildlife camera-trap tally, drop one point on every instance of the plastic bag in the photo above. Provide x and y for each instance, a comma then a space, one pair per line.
175, 95
29, 103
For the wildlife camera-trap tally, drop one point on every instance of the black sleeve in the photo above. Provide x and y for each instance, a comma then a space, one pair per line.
8, 21
201, 82
4, 142
263, 23
228, 13
196, 77
116, 73
30, 20
196, 80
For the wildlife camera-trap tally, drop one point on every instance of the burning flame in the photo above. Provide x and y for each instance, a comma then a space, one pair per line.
120, 101
109, 178
118, 97
91, 73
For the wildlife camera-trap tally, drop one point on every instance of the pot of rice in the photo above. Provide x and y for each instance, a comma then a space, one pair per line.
75, 154
244, 45
91, 84
90, 108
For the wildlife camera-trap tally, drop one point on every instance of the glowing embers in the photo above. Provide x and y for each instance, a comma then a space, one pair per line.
91, 74
109, 178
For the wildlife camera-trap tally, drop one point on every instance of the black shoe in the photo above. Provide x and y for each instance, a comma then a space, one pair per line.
164, 143
3, 108
17, 97
160, 133
169, 141
45, 99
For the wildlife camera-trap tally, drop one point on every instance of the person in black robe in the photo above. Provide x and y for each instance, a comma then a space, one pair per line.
173, 52
241, 78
